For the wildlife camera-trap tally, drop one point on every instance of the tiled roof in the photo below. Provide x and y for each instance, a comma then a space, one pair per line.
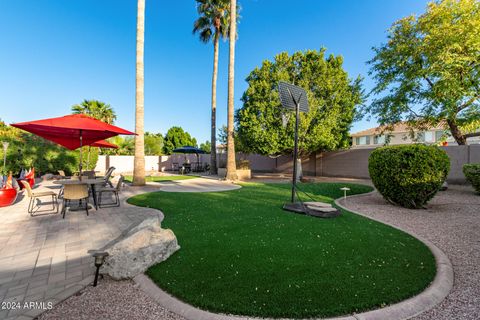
399, 127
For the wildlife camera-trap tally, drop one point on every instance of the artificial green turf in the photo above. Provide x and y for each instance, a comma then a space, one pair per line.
242, 254
163, 178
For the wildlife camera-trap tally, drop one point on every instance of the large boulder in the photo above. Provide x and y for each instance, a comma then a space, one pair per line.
139, 248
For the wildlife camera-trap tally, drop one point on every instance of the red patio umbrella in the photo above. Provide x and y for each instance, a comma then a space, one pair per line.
104, 144
72, 131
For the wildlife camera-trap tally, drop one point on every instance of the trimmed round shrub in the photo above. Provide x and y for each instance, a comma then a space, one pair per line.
472, 173
408, 175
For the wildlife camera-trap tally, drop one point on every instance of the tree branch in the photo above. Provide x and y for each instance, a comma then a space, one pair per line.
429, 81
411, 110
474, 134
468, 103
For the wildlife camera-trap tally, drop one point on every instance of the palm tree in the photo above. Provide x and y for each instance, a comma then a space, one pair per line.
139, 158
96, 109
231, 166
211, 26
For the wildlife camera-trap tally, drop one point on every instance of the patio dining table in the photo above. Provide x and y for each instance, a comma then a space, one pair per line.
91, 182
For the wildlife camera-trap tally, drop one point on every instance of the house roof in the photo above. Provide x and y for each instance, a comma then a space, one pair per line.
397, 128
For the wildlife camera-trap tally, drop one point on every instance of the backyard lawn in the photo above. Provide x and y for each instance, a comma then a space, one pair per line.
242, 254
163, 178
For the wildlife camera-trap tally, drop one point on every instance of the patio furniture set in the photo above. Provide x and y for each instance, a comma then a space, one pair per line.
72, 132
77, 190
188, 167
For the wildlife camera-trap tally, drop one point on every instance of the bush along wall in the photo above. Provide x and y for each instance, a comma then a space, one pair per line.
408, 175
472, 173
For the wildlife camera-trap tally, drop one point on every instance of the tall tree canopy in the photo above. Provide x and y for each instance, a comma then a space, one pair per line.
206, 146
153, 144
176, 137
429, 69
332, 96
96, 109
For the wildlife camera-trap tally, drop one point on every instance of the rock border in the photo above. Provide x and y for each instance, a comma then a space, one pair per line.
435, 293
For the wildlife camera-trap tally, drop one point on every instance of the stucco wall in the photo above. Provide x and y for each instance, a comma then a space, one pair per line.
347, 163
351, 163
354, 162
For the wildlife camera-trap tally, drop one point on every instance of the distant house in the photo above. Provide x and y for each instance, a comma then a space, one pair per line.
401, 134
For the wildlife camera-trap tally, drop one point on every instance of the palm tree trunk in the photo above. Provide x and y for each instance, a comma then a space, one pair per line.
213, 139
231, 166
139, 159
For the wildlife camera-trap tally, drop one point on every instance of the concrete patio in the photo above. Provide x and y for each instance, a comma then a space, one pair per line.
45, 259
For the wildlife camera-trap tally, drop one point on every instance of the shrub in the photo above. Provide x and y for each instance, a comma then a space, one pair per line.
408, 175
243, 165
472, 173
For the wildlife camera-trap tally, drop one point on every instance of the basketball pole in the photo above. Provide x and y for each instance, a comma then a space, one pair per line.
295, 148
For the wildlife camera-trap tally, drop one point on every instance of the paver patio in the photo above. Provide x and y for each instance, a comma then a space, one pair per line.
45, 258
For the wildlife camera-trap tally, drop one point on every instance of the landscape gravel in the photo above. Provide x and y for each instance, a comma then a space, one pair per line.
452, 222
110, 300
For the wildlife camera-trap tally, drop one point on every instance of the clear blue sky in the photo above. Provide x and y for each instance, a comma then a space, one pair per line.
57, 53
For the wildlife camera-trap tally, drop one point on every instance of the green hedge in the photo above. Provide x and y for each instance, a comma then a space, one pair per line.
26, 151
472, 173
408, 175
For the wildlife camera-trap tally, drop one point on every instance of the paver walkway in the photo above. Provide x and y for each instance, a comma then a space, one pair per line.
41, 257
196, 185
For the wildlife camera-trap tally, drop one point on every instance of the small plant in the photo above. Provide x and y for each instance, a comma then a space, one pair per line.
408, 175
472, 173
243, 165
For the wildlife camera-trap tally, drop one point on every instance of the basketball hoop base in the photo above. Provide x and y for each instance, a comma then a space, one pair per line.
301, 208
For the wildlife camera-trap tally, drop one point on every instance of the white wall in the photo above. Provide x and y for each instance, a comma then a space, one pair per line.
124, 164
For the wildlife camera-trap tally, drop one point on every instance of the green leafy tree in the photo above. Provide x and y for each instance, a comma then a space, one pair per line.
176, 137
429, 70
126, 146
213, 24
265, 127
153, 143
223, 134
207, 147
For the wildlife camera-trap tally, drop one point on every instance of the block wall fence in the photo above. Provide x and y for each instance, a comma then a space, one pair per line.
352, 163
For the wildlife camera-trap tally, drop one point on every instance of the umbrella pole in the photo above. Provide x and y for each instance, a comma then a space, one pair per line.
81, 145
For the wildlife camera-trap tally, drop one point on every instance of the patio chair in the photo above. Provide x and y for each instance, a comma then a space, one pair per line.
114, 191
74, 192
39, 194
62, 174
175, 167
107, 176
